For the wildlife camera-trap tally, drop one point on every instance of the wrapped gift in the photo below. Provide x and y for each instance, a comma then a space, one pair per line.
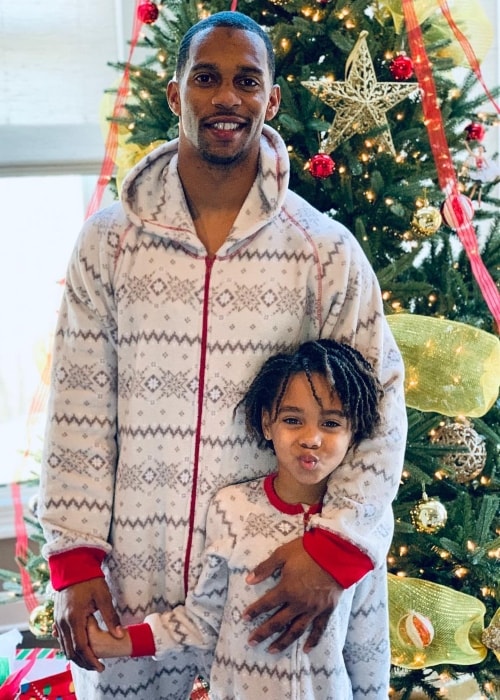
58, 687
38, 673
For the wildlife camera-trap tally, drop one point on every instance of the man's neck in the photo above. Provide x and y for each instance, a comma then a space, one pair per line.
214, 196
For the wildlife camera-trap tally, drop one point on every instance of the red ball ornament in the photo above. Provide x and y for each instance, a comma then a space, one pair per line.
321, 165
475, 131
401, 67
456, 210
148, 12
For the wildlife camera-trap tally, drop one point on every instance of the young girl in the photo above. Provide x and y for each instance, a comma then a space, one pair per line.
310, 407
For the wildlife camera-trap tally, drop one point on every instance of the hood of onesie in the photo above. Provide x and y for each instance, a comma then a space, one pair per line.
153, 198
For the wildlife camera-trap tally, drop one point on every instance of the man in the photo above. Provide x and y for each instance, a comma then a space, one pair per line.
174, 297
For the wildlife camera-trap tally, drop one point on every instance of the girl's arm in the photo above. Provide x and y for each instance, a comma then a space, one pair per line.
104, 645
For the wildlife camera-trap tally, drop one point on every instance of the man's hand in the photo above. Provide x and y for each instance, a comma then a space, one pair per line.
73, 606
305, 595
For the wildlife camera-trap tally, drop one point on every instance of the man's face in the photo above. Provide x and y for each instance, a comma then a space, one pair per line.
223, 97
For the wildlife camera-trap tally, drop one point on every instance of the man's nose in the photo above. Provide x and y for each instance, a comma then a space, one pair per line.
226, 95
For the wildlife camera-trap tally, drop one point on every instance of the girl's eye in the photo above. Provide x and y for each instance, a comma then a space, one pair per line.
331, 424
291, 421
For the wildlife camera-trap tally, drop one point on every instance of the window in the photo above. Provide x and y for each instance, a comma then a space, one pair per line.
53, 74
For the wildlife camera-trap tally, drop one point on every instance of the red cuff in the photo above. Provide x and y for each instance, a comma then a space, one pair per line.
75, 566
143, 642
342, 560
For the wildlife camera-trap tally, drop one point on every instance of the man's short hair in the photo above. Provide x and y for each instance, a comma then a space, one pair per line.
233, 20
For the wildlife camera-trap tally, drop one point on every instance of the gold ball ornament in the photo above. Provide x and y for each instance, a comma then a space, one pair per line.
428, 515
41, 620
466, 464
415, 629
426, 221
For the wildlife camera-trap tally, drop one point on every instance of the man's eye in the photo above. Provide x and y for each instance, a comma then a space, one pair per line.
203, 78
249, 83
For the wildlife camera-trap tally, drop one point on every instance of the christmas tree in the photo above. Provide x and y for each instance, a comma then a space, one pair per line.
355, 122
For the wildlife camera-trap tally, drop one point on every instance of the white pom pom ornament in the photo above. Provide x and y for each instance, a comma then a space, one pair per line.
416, 629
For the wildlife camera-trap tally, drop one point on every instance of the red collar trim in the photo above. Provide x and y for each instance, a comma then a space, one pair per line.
283, 506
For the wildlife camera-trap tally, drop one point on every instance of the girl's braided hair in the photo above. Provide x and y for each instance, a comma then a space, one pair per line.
349, 375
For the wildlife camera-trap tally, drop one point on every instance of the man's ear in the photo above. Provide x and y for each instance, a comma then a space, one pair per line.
173, 97
274, 102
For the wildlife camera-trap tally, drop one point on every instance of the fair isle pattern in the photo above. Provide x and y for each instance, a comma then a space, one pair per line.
351, 661
144, 312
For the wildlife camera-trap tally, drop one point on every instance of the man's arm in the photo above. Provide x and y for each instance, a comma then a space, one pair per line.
78, 466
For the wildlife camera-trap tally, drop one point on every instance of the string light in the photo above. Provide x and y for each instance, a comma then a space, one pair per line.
444, 554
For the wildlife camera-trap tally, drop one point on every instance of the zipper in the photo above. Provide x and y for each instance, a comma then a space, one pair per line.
209, 262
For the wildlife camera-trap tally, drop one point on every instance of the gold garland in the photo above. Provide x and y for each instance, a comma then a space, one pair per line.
450, 367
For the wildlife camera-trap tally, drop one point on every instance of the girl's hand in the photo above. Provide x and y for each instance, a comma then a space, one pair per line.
104, 645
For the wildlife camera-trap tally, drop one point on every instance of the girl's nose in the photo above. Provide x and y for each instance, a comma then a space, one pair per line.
310, 440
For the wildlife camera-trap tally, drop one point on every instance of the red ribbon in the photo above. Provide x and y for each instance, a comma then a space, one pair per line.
22, 547
445, 170
468, 51
111, 147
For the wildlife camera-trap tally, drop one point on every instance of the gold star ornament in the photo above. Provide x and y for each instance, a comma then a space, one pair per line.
360, 102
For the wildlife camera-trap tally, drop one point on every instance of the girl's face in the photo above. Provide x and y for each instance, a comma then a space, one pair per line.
310, 440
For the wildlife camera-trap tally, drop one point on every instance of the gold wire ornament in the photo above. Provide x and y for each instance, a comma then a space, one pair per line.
464, 465
360, 102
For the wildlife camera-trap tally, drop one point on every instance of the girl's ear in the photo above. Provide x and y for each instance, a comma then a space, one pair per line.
266, 424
